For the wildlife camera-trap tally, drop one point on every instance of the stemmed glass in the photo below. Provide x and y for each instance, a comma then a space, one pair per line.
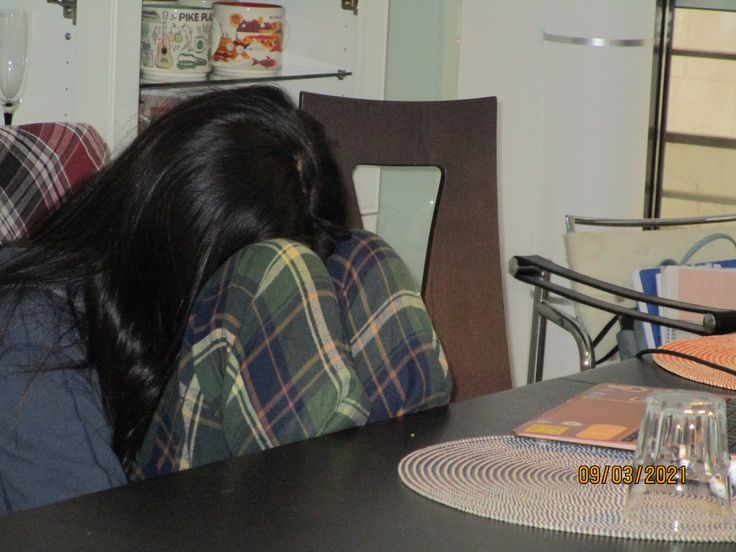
14, 38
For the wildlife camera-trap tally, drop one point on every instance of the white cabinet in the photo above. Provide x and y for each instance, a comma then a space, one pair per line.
84, 72
89, 71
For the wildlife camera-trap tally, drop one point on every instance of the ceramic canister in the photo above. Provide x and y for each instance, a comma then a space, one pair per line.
249, 38
175, 42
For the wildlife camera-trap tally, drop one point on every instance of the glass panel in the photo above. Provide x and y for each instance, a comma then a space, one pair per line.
700, 140
699, 180
407, 203
367, 180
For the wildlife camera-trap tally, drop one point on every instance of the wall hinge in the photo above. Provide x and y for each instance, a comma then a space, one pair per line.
69, 8
350, 5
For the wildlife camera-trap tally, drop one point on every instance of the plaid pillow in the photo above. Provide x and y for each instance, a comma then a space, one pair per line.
40, 164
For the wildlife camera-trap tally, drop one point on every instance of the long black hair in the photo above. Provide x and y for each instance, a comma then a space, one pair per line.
140, 238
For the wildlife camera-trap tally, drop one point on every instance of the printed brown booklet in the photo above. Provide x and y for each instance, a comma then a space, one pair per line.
607, 414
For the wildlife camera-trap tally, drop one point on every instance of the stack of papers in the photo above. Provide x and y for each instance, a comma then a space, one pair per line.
709, 284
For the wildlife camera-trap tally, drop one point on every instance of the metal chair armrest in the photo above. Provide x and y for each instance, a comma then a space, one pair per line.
531, 269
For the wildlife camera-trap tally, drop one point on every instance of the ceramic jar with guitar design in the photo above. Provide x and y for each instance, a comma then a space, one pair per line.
248, 38
175, 43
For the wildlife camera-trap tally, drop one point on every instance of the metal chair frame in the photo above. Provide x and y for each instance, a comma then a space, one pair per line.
537, 272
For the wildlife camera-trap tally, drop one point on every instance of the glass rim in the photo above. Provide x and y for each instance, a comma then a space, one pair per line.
684, 395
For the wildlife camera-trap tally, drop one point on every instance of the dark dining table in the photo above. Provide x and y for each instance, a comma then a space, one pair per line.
336, 492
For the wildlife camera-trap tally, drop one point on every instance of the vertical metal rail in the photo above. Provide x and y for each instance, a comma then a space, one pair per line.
661, 68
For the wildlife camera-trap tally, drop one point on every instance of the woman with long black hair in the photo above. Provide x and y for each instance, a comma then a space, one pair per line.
200, 298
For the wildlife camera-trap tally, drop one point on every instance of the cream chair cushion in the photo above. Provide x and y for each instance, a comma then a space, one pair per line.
614, 255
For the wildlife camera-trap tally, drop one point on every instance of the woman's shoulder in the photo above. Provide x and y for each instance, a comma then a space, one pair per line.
35, 320
54, 435
8, 250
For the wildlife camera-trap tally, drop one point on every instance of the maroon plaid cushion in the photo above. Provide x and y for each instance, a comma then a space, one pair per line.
40, 164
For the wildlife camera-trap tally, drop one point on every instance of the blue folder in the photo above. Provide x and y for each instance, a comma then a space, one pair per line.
647, 281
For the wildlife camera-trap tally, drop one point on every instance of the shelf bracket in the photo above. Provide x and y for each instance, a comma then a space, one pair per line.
351, 5
69, 8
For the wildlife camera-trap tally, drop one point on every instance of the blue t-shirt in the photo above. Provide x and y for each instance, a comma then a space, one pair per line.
55, 442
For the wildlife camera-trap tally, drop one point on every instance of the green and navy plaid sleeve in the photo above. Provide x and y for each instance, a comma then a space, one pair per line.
282, 347
394, 347
264, 363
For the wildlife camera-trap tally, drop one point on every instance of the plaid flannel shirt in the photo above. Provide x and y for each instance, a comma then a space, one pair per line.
282, 346
40, 164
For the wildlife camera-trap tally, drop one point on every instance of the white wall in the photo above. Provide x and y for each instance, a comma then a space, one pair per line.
421, 64
572, 128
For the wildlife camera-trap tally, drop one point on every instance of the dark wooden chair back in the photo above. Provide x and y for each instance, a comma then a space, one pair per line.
462, 277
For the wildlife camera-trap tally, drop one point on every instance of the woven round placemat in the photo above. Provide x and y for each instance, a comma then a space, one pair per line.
719, 349
535, 483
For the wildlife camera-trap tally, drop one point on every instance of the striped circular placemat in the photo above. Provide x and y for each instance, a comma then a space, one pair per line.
535, 483
719, 349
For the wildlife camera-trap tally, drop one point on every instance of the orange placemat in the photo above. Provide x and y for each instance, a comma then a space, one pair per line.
719, 349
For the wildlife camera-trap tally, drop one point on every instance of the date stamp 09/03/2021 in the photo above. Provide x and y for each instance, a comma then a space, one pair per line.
631, 475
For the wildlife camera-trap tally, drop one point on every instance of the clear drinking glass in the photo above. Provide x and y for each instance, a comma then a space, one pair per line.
14, 43
680, 469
